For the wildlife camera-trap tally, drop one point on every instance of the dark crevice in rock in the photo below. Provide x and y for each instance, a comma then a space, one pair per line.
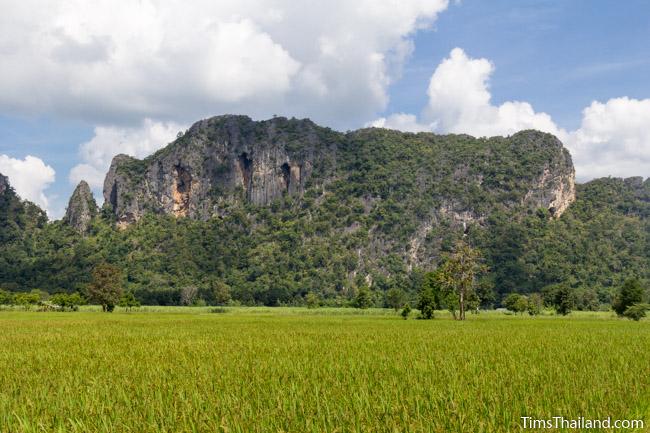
113, 197
246, 168
286, 175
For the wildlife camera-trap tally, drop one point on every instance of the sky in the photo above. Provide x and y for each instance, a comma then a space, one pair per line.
83, 81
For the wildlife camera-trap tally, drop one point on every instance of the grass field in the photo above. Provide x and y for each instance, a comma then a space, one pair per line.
298, 370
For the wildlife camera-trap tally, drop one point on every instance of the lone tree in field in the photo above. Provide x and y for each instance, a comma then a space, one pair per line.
458, 277
429, 296
631, 293
106, 286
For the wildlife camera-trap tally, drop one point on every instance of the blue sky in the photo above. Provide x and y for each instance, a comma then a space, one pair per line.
556, 56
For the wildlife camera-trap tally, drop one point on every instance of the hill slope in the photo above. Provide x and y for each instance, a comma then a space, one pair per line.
268, 211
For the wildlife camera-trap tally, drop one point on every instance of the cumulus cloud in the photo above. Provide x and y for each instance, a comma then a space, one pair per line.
401, 122
113, 64
613, 139
29, 177
460, 101
118, 62
108, 141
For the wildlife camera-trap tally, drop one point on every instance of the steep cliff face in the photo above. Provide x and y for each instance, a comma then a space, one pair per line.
218, 161
227, 161
4, 184
555, 188
82, 208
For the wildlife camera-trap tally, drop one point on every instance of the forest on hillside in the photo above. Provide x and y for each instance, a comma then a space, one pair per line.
380, 210
279, 254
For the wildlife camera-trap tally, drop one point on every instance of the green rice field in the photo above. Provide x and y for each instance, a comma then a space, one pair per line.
324, 370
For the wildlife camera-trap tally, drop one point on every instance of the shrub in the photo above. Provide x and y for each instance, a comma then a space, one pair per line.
26, 299
406, 311
395, 298
66, 301
363, 298
636, 312
128, 301
563, 300
535, 303
630, 293
516, 303
312, 300
6, 298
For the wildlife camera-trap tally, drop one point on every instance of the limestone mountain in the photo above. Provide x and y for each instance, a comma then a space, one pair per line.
266, 212
220, 161
232, 159
81, 209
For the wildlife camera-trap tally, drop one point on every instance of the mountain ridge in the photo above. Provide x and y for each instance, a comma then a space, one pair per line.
370, 207
267, 159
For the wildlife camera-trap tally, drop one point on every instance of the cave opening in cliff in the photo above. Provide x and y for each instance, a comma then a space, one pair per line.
286, 175
181, 190
246, 168
113, 196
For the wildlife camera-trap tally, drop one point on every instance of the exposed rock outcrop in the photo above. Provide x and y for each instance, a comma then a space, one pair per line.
555, 188
82, 208
218, 160
227, 160
4, 183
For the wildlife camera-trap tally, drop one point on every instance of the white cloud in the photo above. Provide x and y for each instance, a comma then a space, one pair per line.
119, 61
613, 139
108, 141
401, 122
459, 102
116, 63
29, 177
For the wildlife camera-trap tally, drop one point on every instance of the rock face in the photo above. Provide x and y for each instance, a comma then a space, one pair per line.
227, 161
82, 208
555, 188
4, 183
218, 161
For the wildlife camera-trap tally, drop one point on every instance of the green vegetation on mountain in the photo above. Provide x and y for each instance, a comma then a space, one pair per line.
281, 212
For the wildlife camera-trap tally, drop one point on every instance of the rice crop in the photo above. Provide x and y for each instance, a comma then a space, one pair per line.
296, 370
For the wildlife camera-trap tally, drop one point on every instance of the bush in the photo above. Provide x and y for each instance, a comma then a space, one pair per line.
563, 300
395, 298
535, 304
406, 311
128, 301
312, 300
26, 299
363, 298
428, 302
630, 293
516, 303
636, 312
6, 298
66, 301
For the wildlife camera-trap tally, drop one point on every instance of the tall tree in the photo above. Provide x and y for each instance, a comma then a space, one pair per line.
458, 275
106, 286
